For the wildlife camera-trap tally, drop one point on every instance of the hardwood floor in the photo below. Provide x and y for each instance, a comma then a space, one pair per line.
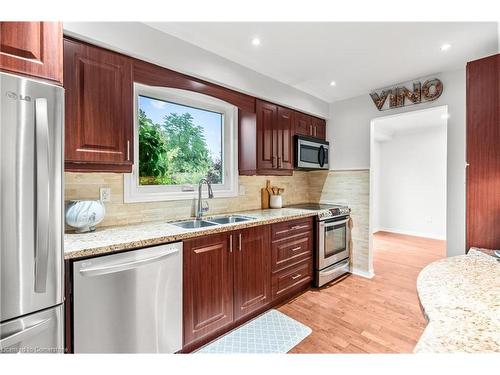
378, 315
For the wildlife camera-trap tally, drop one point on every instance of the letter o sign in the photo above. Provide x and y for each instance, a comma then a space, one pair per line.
432, 89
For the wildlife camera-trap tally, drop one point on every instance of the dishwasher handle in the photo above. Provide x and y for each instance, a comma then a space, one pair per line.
97, 271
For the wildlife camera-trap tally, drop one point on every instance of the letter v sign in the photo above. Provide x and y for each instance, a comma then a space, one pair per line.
379, 100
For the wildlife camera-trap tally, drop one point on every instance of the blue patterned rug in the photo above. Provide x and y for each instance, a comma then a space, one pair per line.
272, 332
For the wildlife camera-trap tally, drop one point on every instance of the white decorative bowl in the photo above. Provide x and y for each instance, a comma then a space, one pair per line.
84, 215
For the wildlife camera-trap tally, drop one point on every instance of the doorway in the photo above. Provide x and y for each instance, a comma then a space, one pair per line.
408, 168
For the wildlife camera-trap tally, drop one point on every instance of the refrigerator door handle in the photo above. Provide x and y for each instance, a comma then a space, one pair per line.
24, 334
42, 194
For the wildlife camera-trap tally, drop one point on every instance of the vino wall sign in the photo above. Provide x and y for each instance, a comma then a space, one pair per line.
411, 93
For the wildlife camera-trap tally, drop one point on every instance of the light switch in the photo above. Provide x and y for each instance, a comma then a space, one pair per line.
105, 194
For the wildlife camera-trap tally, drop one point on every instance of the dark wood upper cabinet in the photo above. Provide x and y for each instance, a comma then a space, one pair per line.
208, 286
99, 124
303, 124
267, 117
252, 270
309, 126
284, 138
318, 128
483, 153
33, 49
274, 139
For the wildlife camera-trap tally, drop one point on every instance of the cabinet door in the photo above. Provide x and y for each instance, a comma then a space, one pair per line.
32, 48
252, 270
284, 138
319, 128
267, 116
99, 127
208, 286
483, 153
303, 124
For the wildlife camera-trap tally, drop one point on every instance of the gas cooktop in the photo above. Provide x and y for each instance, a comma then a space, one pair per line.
325, 211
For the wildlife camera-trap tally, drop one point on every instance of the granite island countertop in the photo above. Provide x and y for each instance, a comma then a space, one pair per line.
107, 240
461, 299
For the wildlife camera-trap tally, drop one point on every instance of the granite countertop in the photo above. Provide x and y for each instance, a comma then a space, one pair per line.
107, 240
461, 300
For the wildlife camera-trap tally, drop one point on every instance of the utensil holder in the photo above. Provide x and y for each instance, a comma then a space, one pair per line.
275, 201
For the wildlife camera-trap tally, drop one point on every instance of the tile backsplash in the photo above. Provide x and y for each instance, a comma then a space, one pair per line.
86, 186
351, 187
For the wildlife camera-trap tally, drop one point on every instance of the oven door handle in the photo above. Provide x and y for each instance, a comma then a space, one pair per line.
329, 224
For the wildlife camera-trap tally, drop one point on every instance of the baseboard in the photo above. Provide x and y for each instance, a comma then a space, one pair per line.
410, 233
363, 273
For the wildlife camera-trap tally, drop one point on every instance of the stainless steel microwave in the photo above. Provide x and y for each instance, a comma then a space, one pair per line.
311, 153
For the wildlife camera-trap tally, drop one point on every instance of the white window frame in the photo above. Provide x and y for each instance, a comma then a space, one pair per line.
133, 192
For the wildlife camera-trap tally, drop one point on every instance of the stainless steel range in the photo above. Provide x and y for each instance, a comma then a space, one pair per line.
333, 241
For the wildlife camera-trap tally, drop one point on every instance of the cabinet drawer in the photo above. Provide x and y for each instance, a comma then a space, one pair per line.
291, 228
286, 280
288, 252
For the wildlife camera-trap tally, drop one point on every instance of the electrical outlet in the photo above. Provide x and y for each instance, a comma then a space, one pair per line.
105, 194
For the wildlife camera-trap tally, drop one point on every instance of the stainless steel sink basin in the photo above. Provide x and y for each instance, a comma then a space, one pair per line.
190, 224
231, 219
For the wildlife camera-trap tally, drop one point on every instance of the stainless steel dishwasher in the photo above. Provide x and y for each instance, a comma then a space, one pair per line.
129, 302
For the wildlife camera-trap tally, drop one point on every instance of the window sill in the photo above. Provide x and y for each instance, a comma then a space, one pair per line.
129, 197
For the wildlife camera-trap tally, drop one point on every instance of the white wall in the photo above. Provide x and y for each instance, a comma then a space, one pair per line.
410, 183
349, 134
143, 42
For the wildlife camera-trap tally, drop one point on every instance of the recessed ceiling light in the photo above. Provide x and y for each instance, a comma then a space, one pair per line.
333, 83
445, 47
256, 41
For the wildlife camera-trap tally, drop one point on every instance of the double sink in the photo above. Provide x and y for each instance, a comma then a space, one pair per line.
229, 219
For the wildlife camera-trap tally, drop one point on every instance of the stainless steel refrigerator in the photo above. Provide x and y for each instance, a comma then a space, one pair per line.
31, 216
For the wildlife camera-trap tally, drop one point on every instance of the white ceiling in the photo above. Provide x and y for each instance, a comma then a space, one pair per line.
359, 57
410, 122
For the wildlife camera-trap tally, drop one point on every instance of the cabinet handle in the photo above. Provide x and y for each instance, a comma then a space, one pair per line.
239, 241
273, 159
231, 243
295, 227
315, 131
296, 248
128, 150
279, 161
310, 129
295, 277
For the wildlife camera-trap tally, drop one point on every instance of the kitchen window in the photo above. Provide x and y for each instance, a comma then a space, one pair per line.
180, 137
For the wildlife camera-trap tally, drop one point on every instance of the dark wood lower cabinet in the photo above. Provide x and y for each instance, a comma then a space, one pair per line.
208, 286
292, 277
252, 270
232, 277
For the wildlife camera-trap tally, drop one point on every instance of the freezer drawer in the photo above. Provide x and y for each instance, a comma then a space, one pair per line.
129, 302
41, 332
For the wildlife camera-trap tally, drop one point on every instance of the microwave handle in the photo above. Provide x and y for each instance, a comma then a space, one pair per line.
321, 156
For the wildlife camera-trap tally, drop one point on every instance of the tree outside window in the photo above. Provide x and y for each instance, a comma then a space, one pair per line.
178, 144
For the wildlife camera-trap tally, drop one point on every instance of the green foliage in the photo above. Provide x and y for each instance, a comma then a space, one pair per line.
174, 152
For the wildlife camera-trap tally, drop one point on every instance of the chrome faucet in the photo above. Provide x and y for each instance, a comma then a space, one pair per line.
201, 209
